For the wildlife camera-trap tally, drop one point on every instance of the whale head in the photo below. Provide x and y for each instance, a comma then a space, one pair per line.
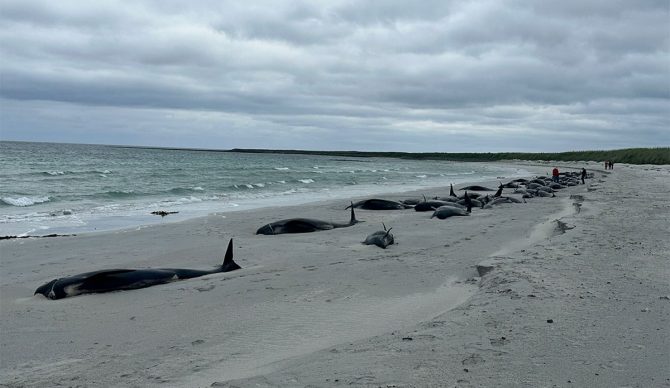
266, 229
51, 290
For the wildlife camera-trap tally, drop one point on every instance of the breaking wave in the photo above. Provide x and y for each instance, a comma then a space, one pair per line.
24, 201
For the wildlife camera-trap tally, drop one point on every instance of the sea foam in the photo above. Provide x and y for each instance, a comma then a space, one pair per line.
24, 201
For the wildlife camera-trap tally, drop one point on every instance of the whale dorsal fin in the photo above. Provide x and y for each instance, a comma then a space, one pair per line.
353, 219
468, 202
228, 263
466, 198
229, 253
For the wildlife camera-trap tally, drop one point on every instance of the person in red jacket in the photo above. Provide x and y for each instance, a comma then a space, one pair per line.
554, 174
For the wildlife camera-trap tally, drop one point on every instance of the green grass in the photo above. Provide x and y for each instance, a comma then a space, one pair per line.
659, 155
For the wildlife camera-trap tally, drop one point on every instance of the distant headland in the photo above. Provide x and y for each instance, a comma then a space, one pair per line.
660, 155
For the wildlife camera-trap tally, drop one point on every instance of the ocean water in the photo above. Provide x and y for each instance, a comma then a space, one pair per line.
75, 188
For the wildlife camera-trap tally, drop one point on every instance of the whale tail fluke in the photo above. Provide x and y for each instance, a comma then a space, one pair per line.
499, 192
228, 263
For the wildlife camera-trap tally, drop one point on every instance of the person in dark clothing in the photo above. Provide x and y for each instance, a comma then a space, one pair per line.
611, 165
554, 175
583, 175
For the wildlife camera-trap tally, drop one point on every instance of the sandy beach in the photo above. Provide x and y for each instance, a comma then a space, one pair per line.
576, 295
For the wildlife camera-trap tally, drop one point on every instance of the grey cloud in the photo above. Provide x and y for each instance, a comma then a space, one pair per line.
305, 70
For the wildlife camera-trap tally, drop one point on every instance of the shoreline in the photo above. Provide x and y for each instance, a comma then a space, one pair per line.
323, 309
113, 223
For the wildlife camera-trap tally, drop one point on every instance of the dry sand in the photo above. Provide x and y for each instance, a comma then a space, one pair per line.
577, 295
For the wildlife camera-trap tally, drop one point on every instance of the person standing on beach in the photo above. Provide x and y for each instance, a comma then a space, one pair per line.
611, 165
554, 174
583, 175
607, 163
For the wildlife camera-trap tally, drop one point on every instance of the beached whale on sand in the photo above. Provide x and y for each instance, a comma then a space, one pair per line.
471, 195
380, 238
500, 200
448, 199
542, 193
430, 205
449, 211
411, 201
427, 206
127, 279
304, 225
379, 204
476, 188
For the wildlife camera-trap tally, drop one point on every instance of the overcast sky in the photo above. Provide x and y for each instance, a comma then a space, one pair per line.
448, 76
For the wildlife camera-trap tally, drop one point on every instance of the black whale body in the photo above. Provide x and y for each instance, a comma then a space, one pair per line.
430, 205
303, 225
126, 279
379, 204
476, 188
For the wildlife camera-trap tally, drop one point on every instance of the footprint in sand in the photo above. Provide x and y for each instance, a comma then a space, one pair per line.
614, 365
473, 359
207, 288
499, 341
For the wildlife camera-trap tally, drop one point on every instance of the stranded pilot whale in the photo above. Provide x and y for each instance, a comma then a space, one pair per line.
304, 225
381, 238
379, 204
127, 279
